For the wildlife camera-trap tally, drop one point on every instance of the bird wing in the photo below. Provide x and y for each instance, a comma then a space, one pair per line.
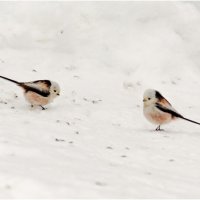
41, 87
174, 113
169, 110
40, 84
164, 102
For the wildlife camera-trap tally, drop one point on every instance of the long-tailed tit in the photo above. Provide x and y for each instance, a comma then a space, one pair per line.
38, 93
158, 110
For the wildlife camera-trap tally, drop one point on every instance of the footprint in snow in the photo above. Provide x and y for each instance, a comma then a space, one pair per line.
99, 183
59, 140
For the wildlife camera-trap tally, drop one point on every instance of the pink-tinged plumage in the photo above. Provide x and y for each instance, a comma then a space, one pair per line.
158, 110
38, 93
36, 99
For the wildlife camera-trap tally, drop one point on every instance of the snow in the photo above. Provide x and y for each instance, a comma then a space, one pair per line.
93, 141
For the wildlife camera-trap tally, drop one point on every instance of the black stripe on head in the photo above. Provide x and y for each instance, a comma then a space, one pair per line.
158, 95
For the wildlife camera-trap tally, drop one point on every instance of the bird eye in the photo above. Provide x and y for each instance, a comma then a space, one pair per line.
149, 98
55, 91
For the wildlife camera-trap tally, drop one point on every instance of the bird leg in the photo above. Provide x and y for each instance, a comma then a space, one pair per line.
43, 108
159, 129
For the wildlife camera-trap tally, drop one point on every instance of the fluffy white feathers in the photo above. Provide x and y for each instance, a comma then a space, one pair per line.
38, 93
158, 110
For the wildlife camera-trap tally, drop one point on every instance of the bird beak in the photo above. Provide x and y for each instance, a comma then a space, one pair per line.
144, 100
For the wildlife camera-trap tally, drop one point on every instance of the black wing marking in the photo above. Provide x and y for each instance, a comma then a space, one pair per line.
167, 110
46, 82
43, 93
173, 113
160, 97
39, 84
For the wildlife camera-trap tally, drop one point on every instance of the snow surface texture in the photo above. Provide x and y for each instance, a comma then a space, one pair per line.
93, 141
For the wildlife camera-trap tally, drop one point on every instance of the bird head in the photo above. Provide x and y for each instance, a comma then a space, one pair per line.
151, 96
54, 89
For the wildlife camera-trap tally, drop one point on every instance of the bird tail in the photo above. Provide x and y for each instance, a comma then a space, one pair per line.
189, 120
173, 113
8, 79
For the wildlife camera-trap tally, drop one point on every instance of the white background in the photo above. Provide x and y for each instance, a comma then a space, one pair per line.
93, 141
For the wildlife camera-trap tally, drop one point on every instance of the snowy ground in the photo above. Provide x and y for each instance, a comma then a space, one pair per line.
93, 141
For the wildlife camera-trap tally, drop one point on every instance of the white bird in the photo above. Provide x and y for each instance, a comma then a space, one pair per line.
158, 110
38, 93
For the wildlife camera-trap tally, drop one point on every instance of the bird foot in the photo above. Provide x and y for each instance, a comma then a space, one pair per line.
32, 107
159, 129
43, 108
